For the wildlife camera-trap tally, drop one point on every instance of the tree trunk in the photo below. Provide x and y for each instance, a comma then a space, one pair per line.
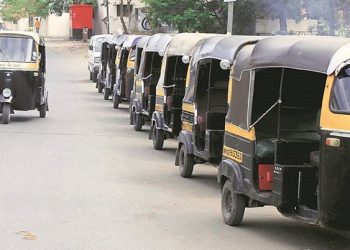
125, 29
129, 11
283, 17
331, 16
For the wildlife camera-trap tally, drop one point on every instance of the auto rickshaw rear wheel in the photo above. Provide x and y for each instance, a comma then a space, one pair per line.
232, 205
138, 121
106, 93
94, 77
6, 113
116, 100
158, 138
90, 76
42, 110
186, 162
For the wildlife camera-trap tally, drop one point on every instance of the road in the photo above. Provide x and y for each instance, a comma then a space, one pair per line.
83, 179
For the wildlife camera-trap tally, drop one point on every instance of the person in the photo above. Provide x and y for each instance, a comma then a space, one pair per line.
37, 25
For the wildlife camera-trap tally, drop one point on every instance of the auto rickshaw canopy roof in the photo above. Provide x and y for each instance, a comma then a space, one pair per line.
222, 47
131, 41
36, 37
183, 43
143, 41
108, 39
158, 42
318, 54
119, 39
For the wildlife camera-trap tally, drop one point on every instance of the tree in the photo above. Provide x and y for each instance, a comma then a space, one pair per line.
122, 14
187, 15
13, 10
60, 6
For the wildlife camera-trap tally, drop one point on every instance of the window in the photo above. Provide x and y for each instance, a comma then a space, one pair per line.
340, 99
124, 9
17, 49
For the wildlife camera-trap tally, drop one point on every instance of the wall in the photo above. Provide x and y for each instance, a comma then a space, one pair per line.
269, 26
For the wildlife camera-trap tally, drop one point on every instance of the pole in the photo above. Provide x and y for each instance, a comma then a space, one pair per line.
107, 6
231, 6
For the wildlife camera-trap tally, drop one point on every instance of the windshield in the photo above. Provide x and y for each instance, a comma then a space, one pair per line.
340, 100
17, 49
98, 45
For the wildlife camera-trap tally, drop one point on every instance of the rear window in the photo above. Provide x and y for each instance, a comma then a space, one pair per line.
340, 99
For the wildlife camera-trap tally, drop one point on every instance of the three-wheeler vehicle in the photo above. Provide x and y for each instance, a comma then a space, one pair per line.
113, 47
287, 134
22, 73
205, 104
125, 63
95, 47
166, 119
101, 76
146, 81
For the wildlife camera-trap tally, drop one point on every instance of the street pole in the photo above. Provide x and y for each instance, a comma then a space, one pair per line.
231, 6
107, 6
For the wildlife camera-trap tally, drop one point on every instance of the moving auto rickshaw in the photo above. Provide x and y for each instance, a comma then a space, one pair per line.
205, 103
125, 63
146, 81
103, 63
287, 131
111, 70
22, 73
166, 119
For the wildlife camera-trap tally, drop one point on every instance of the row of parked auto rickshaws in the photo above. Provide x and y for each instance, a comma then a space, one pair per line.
272, 113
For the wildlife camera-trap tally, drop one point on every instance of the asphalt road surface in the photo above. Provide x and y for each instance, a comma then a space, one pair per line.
83, 179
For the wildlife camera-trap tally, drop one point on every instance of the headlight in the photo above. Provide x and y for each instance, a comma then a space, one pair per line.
7, 93
97, 59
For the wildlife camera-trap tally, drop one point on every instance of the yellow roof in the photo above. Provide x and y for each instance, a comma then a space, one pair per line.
37, 38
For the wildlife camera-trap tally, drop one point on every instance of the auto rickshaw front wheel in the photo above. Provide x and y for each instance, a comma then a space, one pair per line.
116, 100
6, 113
138, 121
186, 162
158, 138
99, 87
232, 205
106, 93
42, 110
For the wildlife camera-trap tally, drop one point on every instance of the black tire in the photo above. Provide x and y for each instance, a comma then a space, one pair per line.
132, 117
232, 205
43, 110
158, 138
186, 162
90, 76
100, 87
6, 113
94, 77
116, 100
106, 93
138, 122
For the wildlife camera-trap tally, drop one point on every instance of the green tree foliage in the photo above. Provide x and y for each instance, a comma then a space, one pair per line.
13, 10
187, 15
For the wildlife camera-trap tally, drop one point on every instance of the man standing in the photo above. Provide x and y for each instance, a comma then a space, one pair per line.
37, 25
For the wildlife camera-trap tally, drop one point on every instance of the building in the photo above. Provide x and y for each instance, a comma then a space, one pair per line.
135, 22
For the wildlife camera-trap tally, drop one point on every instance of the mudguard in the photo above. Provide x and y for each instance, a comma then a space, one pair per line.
158, 120
137, 106
232, 171
185, 138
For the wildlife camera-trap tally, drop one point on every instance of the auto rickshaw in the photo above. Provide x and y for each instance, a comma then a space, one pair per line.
166, 119
125, 63
146, 81
95, 47
287, 131
205, 103
101, 76
22, 73
113, 47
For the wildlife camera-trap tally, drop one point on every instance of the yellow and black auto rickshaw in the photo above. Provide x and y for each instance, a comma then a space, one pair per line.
111, 69
166, 119
143, 104
287, 131
125, 63
101, 76
22, 73
205, 105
